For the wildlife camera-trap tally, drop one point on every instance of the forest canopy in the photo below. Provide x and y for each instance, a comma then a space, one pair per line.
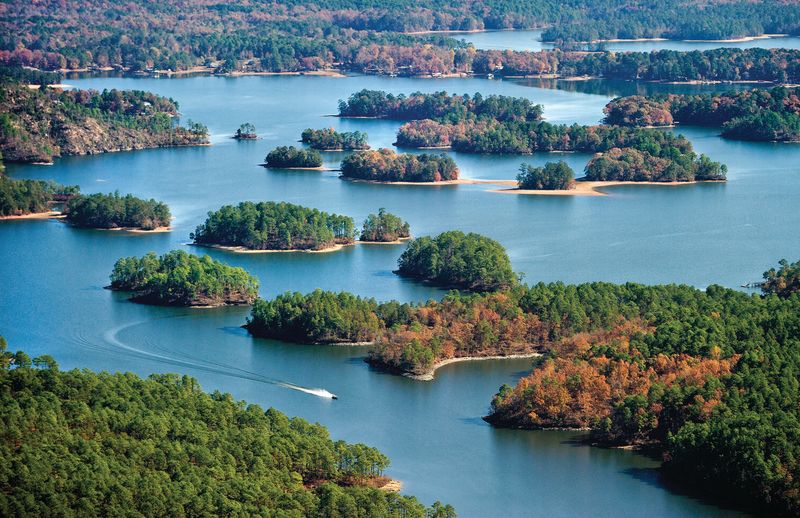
457, 260
291, 157
552, 176
115, 211
21, 197
385, 165
274, 226
384, 227
328, 139
181, 279
80, 442
757, 114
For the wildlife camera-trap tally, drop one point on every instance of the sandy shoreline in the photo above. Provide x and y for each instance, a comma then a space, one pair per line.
428, 376
320, 168
460, 181
245, 250
589, 188
51, 214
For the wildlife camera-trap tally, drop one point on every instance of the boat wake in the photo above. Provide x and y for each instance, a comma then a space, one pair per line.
111, 337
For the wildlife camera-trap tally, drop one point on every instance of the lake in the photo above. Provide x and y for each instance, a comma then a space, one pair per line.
52, 298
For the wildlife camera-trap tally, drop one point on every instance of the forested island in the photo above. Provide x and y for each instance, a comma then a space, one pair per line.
384, 227
274, 226
290, 157
126, 445
553, 176
29, 197
246, 131
706, 376
291, 36
37, 125
329, 139
758, 114
385, 165
438, 105
457, 260
113, 211
181, 279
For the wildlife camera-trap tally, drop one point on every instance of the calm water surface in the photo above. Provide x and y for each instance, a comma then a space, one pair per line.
532, 40
52, 276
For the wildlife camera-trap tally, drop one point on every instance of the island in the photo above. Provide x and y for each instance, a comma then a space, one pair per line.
384, 227
31, 198
181, 279
437, 105
329, 139
553, 176
41, 124
246, 132
771, 115
387, 166
132, 427
115, 212
290, 157
271, 226
457, 260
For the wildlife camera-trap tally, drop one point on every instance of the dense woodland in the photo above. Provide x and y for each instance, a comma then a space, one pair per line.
385, 165
21, 197
457, 260
328, 139
438, 105
291, 35
758, 114
83, 443
552, 176
710, 377
384, 227
274, 226
292, 157
181, 279
630, 154
38, 125
114, 211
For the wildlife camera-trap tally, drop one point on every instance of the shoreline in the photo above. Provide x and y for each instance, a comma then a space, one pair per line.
51, 214
429, 376
245, 250
592, 188
320, 168
460, 181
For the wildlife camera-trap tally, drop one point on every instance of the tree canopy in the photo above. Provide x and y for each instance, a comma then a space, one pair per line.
80, 442
329, 139
290, 156
181, 279
385, 165
274, 226
553, 176
384, 227
458, 260
115, 211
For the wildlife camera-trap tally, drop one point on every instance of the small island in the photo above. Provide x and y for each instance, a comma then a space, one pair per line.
31, 198
246, 132
271, 226
290, 157
767, 115
384, 227
115, 212
181, 279
553, 176
387, 166
329, 139
457, 260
